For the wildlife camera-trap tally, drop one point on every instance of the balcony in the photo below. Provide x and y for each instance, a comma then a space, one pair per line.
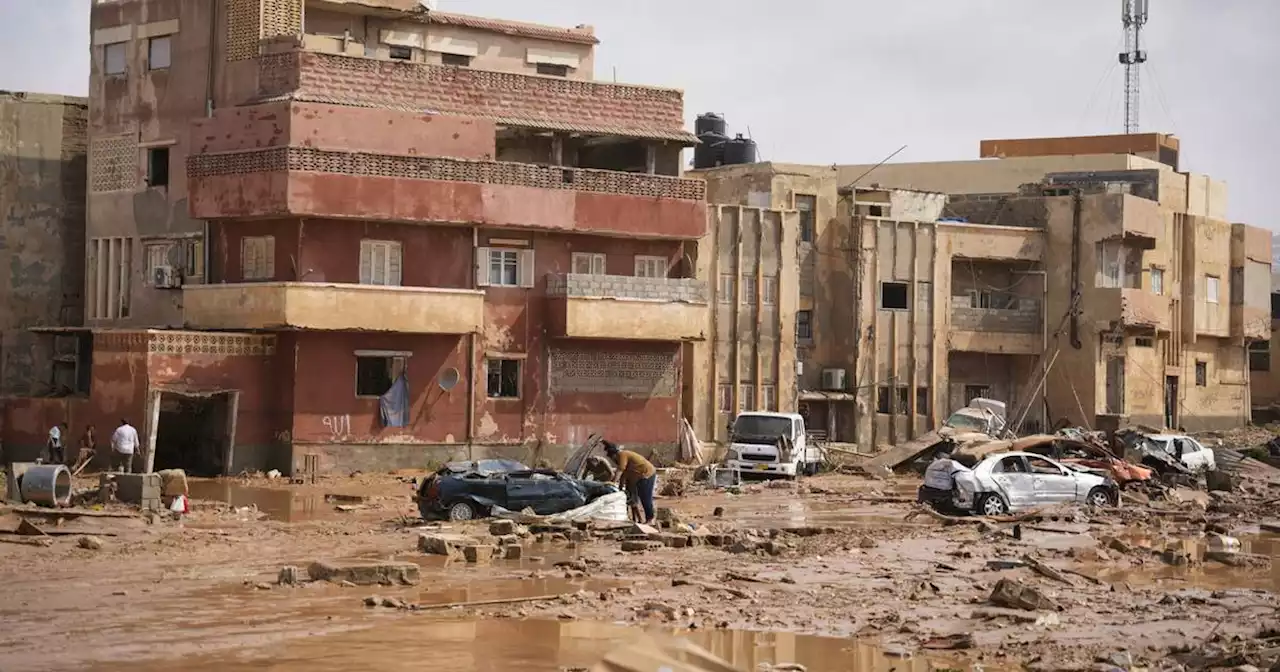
1012, 331
988, 241
333, 307
1130, 307
304, 181
511, 99
629, 308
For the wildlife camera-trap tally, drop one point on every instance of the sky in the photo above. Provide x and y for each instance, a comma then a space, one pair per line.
850, 81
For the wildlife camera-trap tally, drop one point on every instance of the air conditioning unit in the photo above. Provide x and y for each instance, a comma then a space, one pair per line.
166, 277
833, 380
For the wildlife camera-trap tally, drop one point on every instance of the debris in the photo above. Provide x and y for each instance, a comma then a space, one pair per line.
1045, 570
640, 545
479, 553
444, 544
711, 587
513, 552
90, 543
1015, 595
952, 642
26, 529
502, 527
273, 474
173, 482
288, 576
394, 603
365, 574
372, 601
1237, 559
262, 585
333, 498
1220, 481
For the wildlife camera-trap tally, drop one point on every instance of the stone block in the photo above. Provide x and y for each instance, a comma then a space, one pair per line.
450, 545
145, 490
365, 573
507, 540
502, 527
640, 545
477, 553
513, 552
1013, 595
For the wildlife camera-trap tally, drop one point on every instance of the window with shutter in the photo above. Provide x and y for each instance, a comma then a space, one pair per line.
651, 267
258, 258
380, 262
588, 263
504, 267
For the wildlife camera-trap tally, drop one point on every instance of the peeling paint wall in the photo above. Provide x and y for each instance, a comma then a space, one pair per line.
42, 211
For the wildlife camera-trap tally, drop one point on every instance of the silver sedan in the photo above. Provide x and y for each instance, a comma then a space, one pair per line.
1008, 482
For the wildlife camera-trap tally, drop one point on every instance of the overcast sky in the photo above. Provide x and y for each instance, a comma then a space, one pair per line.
840, 81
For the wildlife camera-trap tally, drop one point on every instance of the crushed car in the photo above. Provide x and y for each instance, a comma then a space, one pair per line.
1008, 482
464, 491
1084, 455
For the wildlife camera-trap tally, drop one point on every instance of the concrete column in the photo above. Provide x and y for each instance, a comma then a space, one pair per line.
113, 277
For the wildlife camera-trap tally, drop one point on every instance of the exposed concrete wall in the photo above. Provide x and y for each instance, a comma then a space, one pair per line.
42, 209
984, 176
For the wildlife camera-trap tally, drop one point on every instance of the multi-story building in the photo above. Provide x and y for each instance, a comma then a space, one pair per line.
42, 161
369, 235
1085, 289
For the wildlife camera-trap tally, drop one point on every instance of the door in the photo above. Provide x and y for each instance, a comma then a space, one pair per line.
1015, 482
1171, 401
1051, 482
1115, 385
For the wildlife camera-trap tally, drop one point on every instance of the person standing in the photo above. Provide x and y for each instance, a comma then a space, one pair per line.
124, 443
636, 475
88, 448
53, 446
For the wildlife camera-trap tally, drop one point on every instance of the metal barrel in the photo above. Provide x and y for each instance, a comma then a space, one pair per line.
47, 485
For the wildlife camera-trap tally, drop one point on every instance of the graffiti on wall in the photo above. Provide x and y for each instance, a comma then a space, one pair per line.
338, 425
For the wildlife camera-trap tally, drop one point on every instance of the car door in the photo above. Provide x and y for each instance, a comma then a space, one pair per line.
1014, 481
1051, 483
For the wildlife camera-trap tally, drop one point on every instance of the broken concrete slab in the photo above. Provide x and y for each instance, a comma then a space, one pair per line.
479, 553
640, 545
514, 552
446, 544
502, 527
365, 573
1015, 595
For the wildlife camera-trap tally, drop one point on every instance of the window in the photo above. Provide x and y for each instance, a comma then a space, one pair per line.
651, 267
1110, 254
748, 290
893, 295
804, 325
158, 53
806, 204
376, 373
588, 263
992, 300
1039, 465
401, 53
882, 399
507, 267
459, 60
157, 255
724, 397
553, 69
746, 397
113, 59
158, 167
770, 290
770, 394
727, 294
1011, 465
972, 392
1157, 280
258, 258
876, 211
1202, 374
1237, 286
503, 377
922, 401
1144, 342
380, 262
194, 257
110, 268
901, 399
1260, 355
1211, 288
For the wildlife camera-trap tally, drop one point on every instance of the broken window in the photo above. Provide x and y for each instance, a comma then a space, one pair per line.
380, 262
922, 401
458, 60
158, 167
806, 204
1202, 374
553, 69
399, 53
1157, 280
258, 258
376, 373
972, 392
770, 288
893, 296
588, 263
902, 397
158, 53
883, 399
650, 266
804, 325
114, 61
503, 378
724, 397
1260, 355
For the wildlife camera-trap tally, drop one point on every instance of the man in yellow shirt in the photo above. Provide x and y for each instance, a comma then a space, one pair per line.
636, 475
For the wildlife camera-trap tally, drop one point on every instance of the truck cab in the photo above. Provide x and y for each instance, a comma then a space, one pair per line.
753, 445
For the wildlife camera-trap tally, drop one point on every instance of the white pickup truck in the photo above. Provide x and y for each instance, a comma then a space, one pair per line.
753, 445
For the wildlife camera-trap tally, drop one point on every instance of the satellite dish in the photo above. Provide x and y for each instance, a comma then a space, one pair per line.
449, 379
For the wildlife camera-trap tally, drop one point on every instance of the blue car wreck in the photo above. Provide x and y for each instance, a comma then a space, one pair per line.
463, 491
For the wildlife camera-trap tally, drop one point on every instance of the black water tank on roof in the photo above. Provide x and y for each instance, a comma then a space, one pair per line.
710, 123
710, 153
739, 150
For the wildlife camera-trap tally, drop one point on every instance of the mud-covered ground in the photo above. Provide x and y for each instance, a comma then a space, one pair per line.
828, 573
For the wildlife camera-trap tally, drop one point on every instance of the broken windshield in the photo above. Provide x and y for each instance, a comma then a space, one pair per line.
760, 428
964, 421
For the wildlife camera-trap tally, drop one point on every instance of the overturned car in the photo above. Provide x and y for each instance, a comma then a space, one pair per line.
468, 490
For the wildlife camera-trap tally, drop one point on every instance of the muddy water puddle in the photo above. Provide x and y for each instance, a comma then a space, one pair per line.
284, 504
802, 513
1202, 572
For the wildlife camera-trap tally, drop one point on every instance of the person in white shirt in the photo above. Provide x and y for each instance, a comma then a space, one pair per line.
53, 447
124, 443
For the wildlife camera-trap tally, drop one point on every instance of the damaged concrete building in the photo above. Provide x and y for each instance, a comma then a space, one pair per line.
921, 286
365, 235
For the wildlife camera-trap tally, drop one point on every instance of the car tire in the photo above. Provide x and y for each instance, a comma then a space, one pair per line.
1098, 498
462, 512
992, 505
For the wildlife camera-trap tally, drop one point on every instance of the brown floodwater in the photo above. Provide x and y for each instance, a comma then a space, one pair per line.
1204, 573
283, 504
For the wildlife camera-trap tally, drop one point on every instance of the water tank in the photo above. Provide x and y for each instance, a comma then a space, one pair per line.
739, 150
710, 123
710, 153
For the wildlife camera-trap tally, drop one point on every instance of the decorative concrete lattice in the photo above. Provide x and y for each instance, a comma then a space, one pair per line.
583, 371
186, 343
281, 17
114, 163
449, 170
244, 29
687, 290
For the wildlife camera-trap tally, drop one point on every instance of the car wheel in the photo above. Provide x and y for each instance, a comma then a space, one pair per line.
992, 505
1098, 498
462, 511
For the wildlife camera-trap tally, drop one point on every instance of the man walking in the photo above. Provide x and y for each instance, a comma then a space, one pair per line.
636, 475
53, 446
124, 442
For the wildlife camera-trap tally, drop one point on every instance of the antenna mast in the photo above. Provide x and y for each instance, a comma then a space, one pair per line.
1134, 15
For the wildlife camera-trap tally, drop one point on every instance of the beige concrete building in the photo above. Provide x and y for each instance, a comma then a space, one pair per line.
1264, 365
1082, 289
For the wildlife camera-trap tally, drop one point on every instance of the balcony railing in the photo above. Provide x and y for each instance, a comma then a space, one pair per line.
687, 290
627, 308
1021, 316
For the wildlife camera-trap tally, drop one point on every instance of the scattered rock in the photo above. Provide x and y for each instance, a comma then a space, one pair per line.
365, 573
121, 593
744, 546
507, 540
1119, 545
667, 516
1220, 481
501, 527
450, 545
372, 601
288, 576
1015, 595
866, 542
718, 511
394, 603
347, 584
478, 553
513, 552
90, 543
262, 585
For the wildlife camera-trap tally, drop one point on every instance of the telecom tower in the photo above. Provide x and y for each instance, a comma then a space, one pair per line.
1134, 15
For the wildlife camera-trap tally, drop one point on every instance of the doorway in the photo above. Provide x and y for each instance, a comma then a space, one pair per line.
195, 432
1115, 385
1171, 402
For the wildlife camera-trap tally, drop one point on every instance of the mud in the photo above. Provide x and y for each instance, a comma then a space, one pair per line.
852, 586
